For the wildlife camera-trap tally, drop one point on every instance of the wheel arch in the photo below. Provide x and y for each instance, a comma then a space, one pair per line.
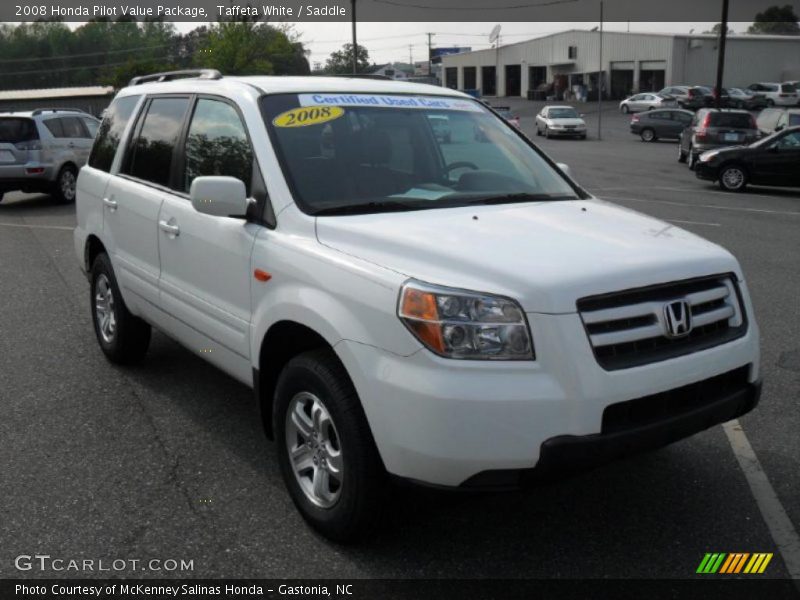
91, 249
284, 340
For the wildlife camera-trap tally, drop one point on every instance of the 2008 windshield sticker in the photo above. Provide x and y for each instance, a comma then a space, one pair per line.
381, 101
308, 115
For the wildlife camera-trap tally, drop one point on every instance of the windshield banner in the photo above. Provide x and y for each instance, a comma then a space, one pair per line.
380, 101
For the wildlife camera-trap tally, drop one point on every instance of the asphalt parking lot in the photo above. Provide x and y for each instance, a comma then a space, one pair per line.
166, 460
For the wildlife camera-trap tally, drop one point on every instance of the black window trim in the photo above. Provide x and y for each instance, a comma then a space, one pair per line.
263, 214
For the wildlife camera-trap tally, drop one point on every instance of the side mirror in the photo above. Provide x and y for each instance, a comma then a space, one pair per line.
778, 127
219, 196
565, 168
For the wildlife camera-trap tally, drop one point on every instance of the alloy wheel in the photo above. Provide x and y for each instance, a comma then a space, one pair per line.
104, 309
314, 450
67, 184
732, 178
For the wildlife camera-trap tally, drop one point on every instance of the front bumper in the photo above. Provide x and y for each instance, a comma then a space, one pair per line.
706, 171
565, 454
567, 132
442, 422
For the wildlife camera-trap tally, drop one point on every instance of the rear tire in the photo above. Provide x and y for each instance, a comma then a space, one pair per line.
65, 185
123, 337
1, 196
770, 102
692, 159
648, 135
321, 432
732, 178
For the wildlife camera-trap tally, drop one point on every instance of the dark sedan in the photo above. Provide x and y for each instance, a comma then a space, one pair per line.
773, 160
663, 123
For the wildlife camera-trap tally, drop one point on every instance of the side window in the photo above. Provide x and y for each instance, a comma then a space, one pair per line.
151, 153
110, 132
91, 126
73, 127
54, 126
217, 144
790, 141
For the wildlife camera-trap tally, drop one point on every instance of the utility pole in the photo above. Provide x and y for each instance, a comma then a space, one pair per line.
723, 35
355, 43
600, 80
430, 55
411, 54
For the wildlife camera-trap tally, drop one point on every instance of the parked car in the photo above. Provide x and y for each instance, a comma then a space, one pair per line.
710, 96
642, 102
42, 150
401, 306
773, 160
746, 99
560, 121
505, 112
712, 128
789, 118
767, 120
664, 123
776, 94
690, 97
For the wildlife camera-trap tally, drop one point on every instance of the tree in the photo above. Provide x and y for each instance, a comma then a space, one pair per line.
341, 61
780, 20
251, 48
715, 30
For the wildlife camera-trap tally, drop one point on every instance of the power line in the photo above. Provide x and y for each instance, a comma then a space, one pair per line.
67, 56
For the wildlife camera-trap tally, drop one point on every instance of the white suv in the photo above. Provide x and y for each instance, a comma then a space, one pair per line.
453, 311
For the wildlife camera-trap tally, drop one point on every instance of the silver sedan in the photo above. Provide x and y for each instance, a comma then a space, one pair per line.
642, 102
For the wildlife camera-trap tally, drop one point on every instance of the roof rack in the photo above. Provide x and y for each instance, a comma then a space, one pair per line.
39, 111
170, 75
364, 76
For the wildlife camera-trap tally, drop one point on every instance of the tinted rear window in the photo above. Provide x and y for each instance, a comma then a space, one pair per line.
151, 155
788, 88
13, 130
110, 132
737, 120
794, 120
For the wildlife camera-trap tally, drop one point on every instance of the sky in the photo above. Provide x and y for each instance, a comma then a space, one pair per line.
399, 42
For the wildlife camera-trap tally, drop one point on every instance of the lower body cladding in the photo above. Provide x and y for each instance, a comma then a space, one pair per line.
454, 423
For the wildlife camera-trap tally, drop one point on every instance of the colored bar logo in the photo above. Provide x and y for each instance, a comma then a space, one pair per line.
734, 563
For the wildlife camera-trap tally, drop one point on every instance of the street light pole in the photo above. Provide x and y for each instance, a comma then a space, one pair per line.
355, 43
600, 79
723, 35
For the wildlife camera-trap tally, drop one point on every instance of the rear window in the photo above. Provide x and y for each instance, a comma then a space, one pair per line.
110, 132
788, 88
794, 120
14, 130
737, 120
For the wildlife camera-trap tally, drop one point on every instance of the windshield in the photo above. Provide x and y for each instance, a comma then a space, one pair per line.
14, 130
563, 113
361, 153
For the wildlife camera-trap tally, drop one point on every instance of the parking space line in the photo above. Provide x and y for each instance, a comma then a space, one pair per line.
778, 522
689, 204
29, 226
693, 222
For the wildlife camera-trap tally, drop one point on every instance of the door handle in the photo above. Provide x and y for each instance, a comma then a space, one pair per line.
170, 229
71, 145
111, 204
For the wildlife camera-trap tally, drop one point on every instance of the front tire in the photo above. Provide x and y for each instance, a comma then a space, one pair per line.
625, 110
770, 102
65, 185
732, 178
648, 135
123, 337
326, 452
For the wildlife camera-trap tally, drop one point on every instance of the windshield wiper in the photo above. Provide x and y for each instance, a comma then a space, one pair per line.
520, 197
370, 207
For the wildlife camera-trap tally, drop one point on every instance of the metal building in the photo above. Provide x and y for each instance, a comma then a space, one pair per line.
631, 62
91, 99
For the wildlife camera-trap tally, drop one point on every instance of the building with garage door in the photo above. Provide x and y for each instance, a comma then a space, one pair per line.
569, 62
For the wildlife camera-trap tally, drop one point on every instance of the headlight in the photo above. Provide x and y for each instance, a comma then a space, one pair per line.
707, 156
467, 325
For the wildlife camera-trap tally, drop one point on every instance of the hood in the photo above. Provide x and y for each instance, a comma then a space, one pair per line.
570, 121
546, 255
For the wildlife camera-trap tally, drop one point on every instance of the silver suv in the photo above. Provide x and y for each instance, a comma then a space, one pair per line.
42, 150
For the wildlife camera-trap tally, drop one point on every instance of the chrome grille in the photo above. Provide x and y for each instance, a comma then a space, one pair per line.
629, 328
